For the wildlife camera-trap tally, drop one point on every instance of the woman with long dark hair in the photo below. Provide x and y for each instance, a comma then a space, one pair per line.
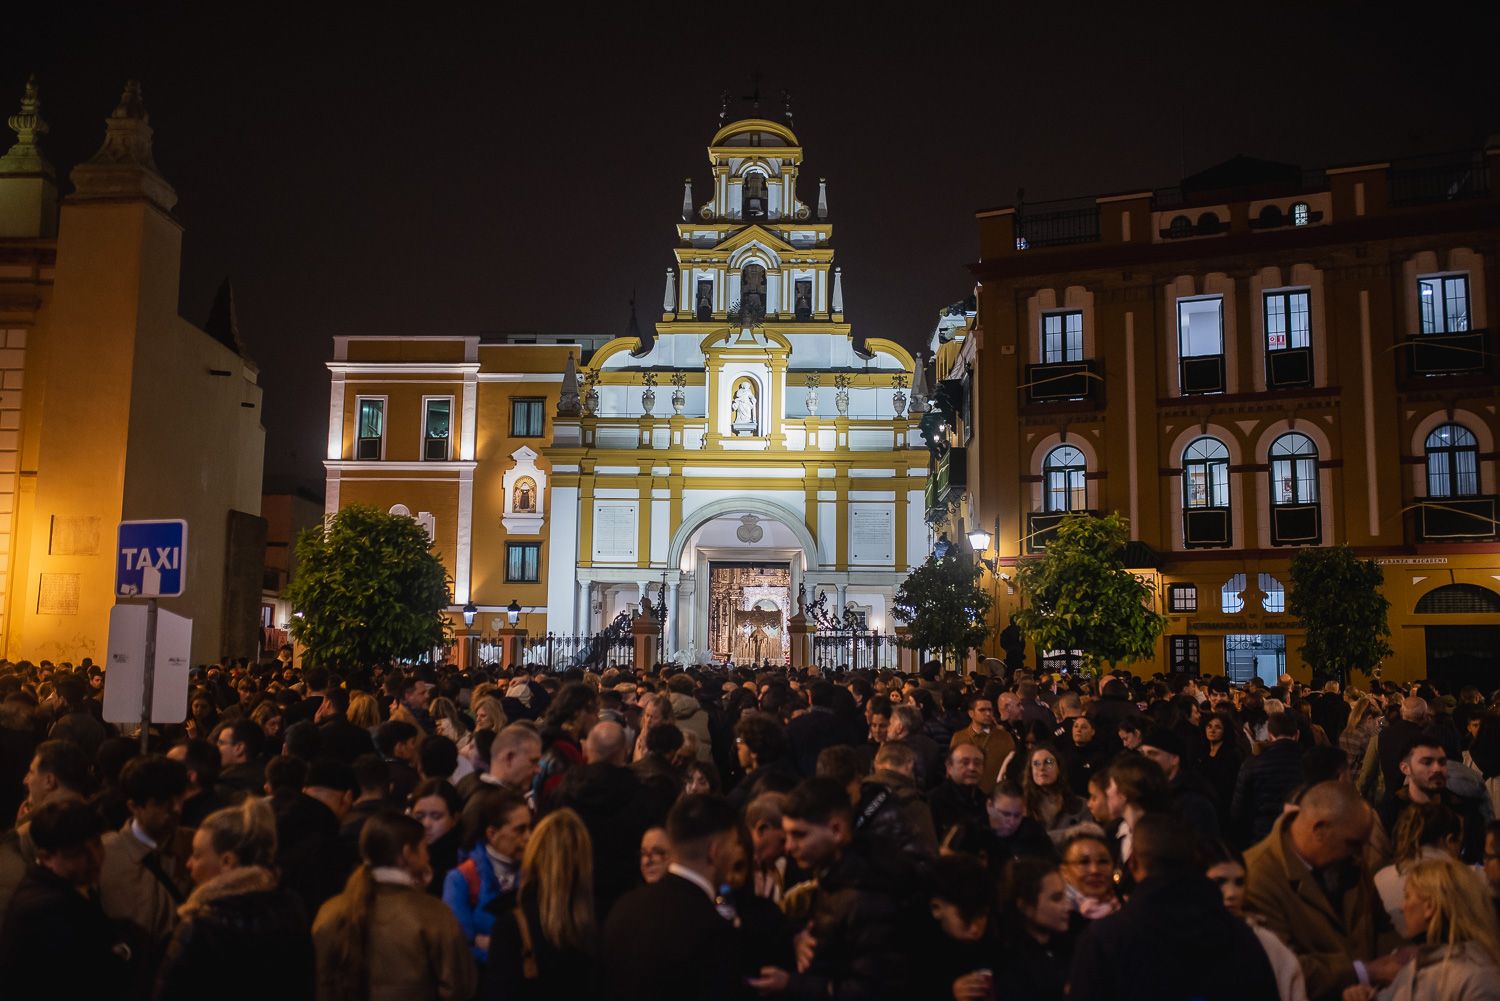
383, 938
1037, 944
1220, 762
1050, 801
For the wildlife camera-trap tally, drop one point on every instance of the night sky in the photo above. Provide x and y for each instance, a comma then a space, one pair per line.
488, 168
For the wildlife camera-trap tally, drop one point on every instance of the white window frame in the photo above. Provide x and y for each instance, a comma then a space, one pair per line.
1182, 347
385, 424
1069, 354
422, 431
1442, 278
1285, 294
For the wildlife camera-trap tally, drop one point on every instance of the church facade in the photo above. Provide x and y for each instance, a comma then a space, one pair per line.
748, 448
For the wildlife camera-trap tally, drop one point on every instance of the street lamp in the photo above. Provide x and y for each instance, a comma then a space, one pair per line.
469, 612
980, 540
513, 611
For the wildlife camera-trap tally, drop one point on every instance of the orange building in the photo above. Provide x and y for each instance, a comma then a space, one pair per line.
1259, 359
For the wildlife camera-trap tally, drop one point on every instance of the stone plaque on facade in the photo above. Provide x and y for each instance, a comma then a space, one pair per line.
74, 536
58, 594
871, 538
614, 532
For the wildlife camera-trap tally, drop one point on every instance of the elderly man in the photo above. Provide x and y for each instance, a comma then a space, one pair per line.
994, 742
959, 799
1308, 882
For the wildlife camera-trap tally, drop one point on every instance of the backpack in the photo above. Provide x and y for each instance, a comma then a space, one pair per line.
470, 871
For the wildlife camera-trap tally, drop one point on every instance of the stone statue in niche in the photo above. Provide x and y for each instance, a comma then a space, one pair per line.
523, 498
743, 408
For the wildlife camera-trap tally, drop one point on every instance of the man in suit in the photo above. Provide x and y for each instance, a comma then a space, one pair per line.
144, 877
1308, 883
669, 940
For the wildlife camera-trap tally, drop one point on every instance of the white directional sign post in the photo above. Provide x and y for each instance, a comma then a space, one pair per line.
150, 563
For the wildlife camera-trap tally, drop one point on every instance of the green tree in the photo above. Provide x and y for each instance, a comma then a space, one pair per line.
368, 589
943, 606
1079, 596
1336, 596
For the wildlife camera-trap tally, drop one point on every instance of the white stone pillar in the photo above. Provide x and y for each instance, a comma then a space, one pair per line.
672, 604
669, 297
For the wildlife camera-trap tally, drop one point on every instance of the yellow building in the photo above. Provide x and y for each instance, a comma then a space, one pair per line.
696, 464
1259, 359
113, 407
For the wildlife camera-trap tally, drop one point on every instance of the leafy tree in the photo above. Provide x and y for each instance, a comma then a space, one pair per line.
368, 589
1079, 596
943, 605
1336, 596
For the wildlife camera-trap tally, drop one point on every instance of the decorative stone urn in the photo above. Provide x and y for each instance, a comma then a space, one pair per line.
648, 401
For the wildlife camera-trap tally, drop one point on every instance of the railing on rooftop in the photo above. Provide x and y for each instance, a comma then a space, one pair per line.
1057, 224
1453, 177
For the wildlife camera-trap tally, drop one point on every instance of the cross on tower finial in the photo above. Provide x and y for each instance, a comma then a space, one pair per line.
723, 108
786, 98
754, 96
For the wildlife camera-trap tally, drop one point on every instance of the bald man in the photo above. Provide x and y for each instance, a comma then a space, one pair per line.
616, 807
1308, 882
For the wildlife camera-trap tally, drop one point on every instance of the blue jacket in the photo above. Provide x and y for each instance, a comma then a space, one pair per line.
473, 915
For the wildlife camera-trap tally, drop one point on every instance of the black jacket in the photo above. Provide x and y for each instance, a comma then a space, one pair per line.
667, 942
953, 804
1153, 949
57, 943
560, 973
617, 808
892, 811
249, 946
1030, 971
343, 740
860, 930
1262, 788
1193, 800
810, 733
314, 861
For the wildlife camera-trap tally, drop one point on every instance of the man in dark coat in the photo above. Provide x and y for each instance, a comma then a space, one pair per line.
854, 945
341, 739
1396, 736
313, 859
817, 729
1152, 948
615, 806
958, 800
1266, 779
891, 809
1192, 798
907, 726
56, 940
668, 941
1425, 768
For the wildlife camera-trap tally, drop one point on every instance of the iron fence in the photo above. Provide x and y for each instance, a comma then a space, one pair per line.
855, 649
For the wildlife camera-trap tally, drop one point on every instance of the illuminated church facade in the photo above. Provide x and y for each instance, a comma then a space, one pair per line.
749, 446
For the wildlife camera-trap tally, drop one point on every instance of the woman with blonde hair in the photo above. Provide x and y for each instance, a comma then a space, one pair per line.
546, 945
1425, 830
237, 916
364, 711
1362, 727
1449, 907
489, 714
655, 708
450, 722
384, 938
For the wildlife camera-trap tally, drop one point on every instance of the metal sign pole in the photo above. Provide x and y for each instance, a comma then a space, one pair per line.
150, 666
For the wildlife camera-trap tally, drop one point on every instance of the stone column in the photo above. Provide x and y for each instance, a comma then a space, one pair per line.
646, 630
672, 605
512, 646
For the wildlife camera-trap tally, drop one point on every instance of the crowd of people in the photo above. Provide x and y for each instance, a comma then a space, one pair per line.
438, 833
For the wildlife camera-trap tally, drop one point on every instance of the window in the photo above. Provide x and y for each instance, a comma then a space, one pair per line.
1185, 654
1300, 214
1286, 320
1272, 594
1452, 462
1182, 597
1294, 470
370, 429
1200, 327
1062, 473
1062, 337
436, 426
1444, 303
1200, 343
1205, 474
526, 420
1232, 595
1254, 655
523, 562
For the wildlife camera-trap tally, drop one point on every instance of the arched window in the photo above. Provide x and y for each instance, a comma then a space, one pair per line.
1232, 595
1272, 594
1180, 226
1205, 474
1063, 473
1300, 215
753, 289
1452, 462
1294, 470
753, 196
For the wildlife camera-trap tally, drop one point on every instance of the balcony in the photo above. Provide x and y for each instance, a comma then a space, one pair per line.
1042, 525
1457, 519
1057, 227
1296, 525
1205, 528
1202, 374
1064, 380
1447, 354
1445, 179
948, 480
1289, 368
